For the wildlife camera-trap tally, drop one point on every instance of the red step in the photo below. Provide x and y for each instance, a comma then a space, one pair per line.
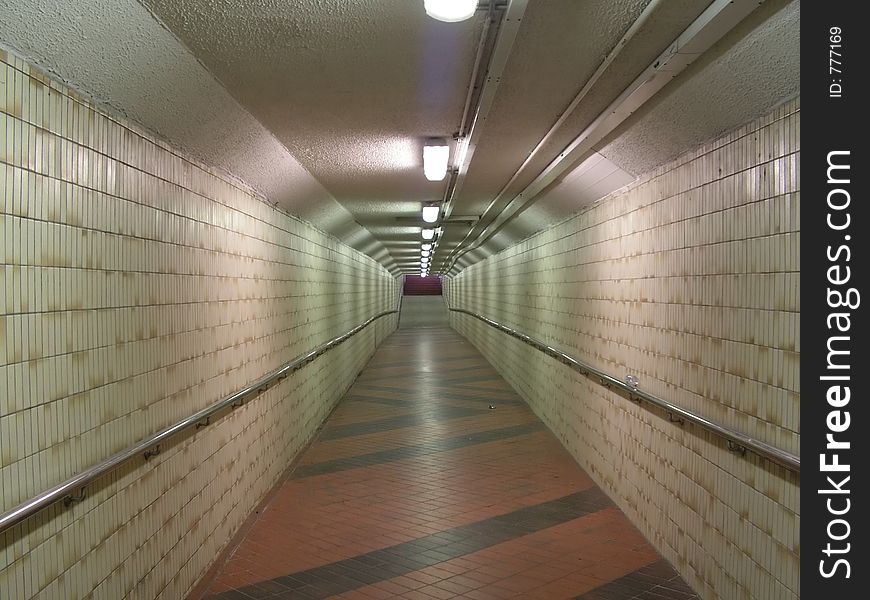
422, 286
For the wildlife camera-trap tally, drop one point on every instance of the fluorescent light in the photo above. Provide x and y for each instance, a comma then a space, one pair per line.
436, 153
450, 11
425, 253
426, 247
430, 213
428, 234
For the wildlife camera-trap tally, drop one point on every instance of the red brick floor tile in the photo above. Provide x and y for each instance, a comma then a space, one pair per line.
490, 592
424, 578
518, 583
453, 586
435, 591
417, 595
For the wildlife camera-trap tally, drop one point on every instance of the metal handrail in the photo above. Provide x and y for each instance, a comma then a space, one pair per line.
737, 441
151, 445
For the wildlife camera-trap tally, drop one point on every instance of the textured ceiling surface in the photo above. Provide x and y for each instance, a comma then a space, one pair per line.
351, 87
752, 69
322, 106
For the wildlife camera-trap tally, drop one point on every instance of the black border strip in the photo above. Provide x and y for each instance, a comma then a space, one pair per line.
834, 102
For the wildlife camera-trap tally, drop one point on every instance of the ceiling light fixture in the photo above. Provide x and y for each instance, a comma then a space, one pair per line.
450, 11
428, 234
436, 154
425, 253
426, 247
430, 213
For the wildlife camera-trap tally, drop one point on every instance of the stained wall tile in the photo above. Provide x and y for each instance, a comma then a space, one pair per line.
136, 287
688, 279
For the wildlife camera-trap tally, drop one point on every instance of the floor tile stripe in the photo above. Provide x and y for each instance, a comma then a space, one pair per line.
440, 413
407, 452
483, 400
658, 581
380, 565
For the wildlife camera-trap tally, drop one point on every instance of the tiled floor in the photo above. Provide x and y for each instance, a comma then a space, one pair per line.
417, 489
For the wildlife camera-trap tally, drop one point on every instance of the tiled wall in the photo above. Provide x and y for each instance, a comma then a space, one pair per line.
137, 287
689, 280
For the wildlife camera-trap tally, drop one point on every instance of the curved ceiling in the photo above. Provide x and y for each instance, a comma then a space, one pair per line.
322, 106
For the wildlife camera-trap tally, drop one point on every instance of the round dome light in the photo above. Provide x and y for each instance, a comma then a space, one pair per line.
450, 11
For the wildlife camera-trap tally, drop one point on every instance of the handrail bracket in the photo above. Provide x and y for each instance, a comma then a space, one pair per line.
75, 498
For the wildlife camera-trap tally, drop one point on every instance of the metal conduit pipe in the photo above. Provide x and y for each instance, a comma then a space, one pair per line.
642, 19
